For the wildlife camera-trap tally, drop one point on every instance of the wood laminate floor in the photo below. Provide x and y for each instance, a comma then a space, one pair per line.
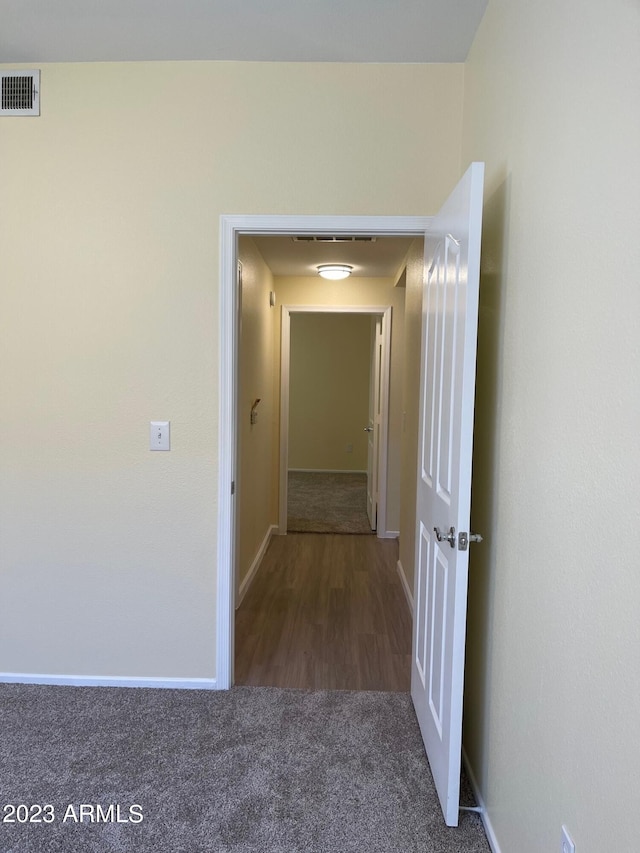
325, 611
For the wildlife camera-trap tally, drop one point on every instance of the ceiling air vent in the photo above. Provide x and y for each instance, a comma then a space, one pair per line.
325, 238
20, 93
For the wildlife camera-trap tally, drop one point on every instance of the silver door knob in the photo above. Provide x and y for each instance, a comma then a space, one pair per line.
449, 537
368, 429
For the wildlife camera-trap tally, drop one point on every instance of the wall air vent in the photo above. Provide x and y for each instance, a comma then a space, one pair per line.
20, 93
326, 238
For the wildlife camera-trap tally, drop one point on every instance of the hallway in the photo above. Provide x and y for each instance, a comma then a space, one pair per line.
325, 611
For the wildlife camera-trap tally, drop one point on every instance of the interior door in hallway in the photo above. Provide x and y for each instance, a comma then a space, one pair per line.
374, 421
443, 507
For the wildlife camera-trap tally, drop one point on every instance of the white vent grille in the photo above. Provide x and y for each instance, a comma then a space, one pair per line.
325, 238
20, 93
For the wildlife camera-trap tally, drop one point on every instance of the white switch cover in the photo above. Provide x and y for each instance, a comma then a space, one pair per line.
159, 438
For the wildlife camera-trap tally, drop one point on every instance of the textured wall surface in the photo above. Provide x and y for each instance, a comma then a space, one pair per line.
257, 472
553, 686
109, 228
329, 391
410, 408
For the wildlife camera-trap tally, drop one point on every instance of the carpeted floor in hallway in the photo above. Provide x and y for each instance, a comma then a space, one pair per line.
327, 502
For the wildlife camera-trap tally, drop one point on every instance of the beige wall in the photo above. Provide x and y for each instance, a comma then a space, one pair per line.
377, 292
329, 391
553, 677
257, 501
109, 228
410, 410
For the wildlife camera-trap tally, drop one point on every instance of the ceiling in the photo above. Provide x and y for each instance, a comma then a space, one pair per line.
37, 31
382, 257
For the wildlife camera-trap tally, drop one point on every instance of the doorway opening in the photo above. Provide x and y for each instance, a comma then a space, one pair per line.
231, 228
334, 409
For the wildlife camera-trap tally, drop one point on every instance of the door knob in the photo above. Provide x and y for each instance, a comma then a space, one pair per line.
368, 429
449, 537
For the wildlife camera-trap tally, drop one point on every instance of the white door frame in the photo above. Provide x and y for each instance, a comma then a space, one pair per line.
230, 228
378, 387
383, 311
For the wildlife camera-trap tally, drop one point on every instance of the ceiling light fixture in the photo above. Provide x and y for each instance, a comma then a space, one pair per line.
335, 271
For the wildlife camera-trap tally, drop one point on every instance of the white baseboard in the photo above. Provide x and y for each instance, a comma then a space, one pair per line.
325, 471
255, 565
405, 587
108, 681
388, 534
486, 820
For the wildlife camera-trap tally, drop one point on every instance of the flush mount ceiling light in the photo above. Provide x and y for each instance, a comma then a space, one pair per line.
335, 271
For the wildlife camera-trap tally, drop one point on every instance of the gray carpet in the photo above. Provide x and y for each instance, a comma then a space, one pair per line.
251, 769
325, 502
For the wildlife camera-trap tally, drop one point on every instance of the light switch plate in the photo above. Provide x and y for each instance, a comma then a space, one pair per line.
159, 436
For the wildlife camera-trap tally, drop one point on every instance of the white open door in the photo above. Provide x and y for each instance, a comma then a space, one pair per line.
447, 390
375, 418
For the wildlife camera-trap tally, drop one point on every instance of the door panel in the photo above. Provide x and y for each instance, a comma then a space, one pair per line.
447, 390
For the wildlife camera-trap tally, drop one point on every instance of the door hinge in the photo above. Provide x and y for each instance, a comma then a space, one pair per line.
233, 487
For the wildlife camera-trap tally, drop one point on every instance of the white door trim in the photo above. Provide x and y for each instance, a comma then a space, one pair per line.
230, 228
285, 359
